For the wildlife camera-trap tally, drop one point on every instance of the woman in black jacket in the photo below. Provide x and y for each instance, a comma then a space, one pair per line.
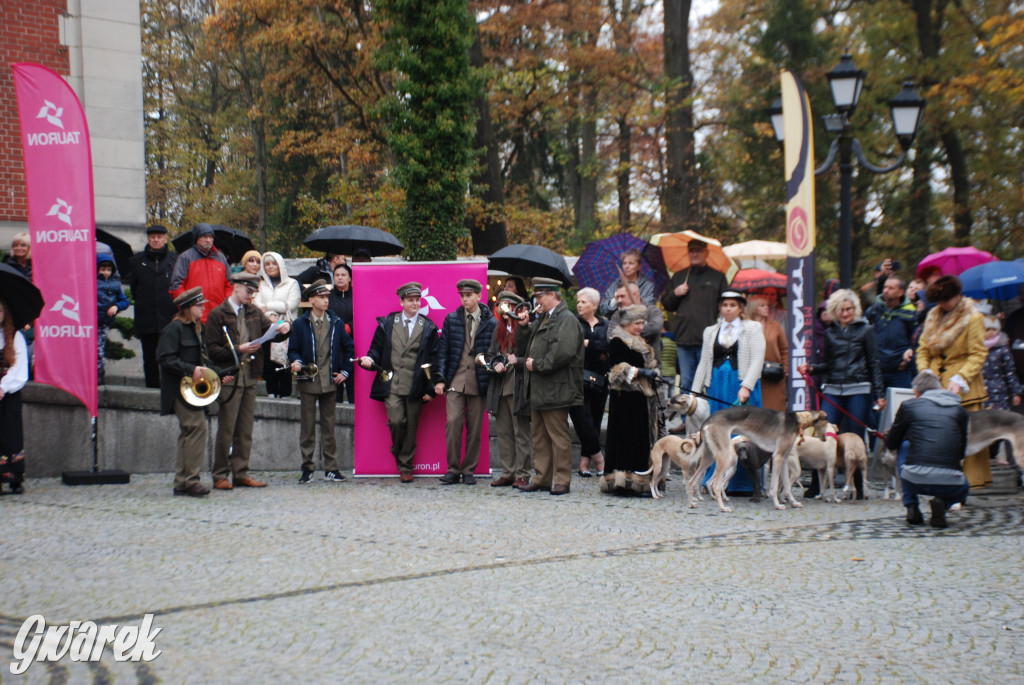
850, 370
587, 419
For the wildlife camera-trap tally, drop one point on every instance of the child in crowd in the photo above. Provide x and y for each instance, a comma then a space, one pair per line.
110, 300
1001, 383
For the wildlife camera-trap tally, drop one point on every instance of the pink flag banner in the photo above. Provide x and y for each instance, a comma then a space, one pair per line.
62, 227
374, 287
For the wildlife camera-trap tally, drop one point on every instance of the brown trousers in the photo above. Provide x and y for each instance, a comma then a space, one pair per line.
515, 446
307, 429
463, 411
191, 444
234, 434
552, 447
403, 421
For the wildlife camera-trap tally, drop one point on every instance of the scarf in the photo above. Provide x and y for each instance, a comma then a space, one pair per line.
942, 329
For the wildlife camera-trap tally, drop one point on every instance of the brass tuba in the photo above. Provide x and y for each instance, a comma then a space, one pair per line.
202, 393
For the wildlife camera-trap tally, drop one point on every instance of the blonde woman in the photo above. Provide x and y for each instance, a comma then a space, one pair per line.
278, 298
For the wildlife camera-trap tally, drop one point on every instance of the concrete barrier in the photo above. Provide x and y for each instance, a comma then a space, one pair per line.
132, 435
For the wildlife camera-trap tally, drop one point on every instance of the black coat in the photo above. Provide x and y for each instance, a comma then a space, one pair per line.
851, 356
150, 283
180, 351
936, 426
453, 339
380, 353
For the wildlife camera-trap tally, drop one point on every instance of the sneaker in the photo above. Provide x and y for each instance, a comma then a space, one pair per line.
307, 476
334, 475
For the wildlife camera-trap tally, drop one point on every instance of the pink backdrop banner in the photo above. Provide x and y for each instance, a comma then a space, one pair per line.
374, 287
62, 226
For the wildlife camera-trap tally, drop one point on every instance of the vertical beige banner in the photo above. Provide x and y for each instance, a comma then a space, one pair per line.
800, 234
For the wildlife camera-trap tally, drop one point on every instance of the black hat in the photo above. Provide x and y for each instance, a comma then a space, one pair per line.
317, 287
733, 295
156, 228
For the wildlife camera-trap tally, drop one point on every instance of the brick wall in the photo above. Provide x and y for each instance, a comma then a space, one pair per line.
29, 32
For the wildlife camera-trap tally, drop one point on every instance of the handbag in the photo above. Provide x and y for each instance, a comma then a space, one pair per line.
773, 371
597, 380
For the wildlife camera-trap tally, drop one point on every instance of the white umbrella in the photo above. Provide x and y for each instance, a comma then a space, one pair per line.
756, 249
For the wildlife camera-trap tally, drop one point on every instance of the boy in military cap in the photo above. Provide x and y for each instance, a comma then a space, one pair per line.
320, 338
181, 353
236, 322
466, 332
404, 350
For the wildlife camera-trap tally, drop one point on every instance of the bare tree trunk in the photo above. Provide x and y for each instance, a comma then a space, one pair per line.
490, 235
680, 182
586, 220
625, 166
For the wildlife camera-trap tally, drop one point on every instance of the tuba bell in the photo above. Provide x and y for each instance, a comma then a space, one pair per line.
202, 393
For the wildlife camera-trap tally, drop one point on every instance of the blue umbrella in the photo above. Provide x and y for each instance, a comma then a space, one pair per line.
994, 280
598, 266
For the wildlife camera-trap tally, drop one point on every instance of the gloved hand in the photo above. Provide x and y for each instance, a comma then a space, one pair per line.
650, 374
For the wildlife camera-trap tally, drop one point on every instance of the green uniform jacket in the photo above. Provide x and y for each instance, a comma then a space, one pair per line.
556, 345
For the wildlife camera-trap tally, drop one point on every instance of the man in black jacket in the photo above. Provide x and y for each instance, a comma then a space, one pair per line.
465, 334
150, 282
404, 347
936, 425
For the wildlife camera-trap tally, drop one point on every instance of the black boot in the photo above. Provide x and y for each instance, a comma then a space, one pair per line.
938, 513
914, 516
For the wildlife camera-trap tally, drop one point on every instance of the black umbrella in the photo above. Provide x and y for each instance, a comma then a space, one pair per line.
23, 298
232, 242
347, 239
121, 250
531, 261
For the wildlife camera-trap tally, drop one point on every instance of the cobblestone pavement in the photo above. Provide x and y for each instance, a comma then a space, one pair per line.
376, 582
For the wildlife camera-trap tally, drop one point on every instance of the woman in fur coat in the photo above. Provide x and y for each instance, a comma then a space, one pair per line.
952, 345
633, 409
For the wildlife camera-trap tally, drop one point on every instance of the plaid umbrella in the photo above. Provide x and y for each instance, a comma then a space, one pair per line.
668, 251
749, 280
598, 266
955, 260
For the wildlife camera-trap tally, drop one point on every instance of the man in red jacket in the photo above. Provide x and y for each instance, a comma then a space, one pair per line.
203, 266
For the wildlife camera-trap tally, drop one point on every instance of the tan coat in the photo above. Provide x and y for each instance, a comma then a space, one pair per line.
776, 349
965, 354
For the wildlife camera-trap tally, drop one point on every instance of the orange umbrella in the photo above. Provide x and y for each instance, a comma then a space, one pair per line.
672, 251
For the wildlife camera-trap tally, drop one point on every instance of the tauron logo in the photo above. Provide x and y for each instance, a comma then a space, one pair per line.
62, 210
430, 301
51, 113
67, 306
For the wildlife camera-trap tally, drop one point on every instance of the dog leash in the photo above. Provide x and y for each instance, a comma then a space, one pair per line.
700, 394
823, 396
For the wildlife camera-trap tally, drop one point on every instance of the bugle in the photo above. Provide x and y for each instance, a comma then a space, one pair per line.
203, 392
307, 372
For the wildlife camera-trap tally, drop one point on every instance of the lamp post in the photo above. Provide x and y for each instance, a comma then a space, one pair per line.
846, 82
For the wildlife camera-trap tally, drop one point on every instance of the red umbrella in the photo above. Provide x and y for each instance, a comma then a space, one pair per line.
749, 280
955, 260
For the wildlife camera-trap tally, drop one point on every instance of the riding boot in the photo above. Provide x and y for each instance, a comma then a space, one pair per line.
914, 516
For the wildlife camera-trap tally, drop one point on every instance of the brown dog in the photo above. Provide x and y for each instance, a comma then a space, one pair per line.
671, 449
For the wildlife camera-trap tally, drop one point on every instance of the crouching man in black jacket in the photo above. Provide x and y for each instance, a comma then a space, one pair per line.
936, 426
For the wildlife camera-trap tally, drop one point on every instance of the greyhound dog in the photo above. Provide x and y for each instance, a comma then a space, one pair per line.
695, 410
819, 455
890, 473
773, 431
672, 448
986, 427
853, 454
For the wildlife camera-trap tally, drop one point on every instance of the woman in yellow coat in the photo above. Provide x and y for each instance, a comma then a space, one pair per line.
952, 345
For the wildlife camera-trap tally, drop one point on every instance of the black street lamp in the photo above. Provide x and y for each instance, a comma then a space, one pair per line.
846, 82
